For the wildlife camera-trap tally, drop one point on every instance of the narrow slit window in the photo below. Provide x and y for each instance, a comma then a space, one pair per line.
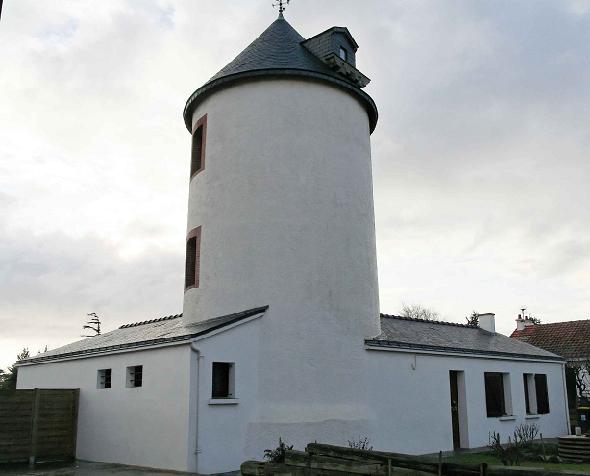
135, 376
495, 395
104, 378
198, 146
196, 156
222, 385
193, 259
542, 393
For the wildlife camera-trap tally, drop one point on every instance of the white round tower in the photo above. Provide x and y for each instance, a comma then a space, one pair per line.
281, 214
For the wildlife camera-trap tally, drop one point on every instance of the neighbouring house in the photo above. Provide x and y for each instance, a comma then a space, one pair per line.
570, 340
281, 334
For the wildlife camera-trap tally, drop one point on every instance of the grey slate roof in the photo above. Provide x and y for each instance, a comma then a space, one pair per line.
277, 52
143, 334
419, 334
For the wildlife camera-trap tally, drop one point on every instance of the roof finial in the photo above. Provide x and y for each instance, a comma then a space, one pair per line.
282, 4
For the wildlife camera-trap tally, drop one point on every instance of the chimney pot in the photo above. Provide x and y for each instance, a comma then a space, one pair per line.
520, 323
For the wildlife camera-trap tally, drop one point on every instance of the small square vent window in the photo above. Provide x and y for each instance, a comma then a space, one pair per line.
135, 376
223, 380
104, 378
343, 54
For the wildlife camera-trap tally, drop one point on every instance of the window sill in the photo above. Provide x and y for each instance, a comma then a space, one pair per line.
532, 417
507, 418
223, 401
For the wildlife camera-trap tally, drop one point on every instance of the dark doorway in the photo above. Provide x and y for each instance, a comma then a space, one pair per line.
455, 408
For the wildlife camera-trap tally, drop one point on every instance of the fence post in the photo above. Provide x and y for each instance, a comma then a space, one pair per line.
483, 469
34, 426
440, 464
388, 467
76, 403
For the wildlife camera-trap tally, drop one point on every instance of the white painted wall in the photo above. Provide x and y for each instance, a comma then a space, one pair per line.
286, 208
147, 426
223, 429
410, 396
406, 398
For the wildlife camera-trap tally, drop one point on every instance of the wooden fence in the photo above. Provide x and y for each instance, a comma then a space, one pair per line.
325, 460
38, 425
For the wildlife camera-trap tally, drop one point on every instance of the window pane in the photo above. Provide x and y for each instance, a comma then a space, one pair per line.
542, 393
526, 393
138, 376
494, 387
220, 384
191, 262
343, 54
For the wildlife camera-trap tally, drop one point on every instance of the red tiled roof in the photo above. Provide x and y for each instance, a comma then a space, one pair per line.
568, 339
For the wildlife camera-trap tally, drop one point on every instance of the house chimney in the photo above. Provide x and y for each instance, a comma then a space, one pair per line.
528, 322
487, 321
520, 323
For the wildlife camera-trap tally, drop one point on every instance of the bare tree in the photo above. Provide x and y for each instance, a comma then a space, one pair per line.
582, 374
417, 311
93, 324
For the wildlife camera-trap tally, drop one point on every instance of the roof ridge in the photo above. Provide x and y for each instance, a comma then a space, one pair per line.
555, 323
431, 321
151, 321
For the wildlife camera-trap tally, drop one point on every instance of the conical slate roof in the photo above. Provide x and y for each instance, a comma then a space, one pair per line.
277, 52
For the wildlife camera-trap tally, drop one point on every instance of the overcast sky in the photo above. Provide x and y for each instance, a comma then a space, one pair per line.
481, 156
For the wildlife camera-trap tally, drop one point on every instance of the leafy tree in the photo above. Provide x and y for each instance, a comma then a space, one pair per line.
473, 320
8, 377
417, 311
535, 320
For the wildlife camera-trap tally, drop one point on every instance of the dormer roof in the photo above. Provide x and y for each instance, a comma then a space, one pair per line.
280, 52
338, 29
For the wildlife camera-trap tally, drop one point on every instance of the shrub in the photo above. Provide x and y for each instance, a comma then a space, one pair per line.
278, 454
509, 454
360, 444
525, 434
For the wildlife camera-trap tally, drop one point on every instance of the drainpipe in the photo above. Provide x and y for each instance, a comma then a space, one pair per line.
198, 357
567, 409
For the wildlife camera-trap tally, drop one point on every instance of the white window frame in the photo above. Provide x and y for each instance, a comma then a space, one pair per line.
532, 394
231, 396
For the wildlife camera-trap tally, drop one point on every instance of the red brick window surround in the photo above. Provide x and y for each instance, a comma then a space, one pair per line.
193, 259
199, 141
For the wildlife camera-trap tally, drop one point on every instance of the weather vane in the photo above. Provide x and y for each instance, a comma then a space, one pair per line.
282, 4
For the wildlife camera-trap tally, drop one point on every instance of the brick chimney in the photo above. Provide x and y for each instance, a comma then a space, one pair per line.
487, 321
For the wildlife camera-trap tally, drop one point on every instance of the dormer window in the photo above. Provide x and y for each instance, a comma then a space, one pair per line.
343, 54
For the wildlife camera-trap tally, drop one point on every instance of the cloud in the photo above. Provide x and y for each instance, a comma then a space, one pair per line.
480, 155
51, 281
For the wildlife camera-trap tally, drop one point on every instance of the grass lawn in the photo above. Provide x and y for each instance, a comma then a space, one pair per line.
486, 457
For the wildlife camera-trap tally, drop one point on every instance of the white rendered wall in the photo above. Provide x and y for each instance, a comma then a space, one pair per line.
223, 429
285, 203
146, 426
410, 395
